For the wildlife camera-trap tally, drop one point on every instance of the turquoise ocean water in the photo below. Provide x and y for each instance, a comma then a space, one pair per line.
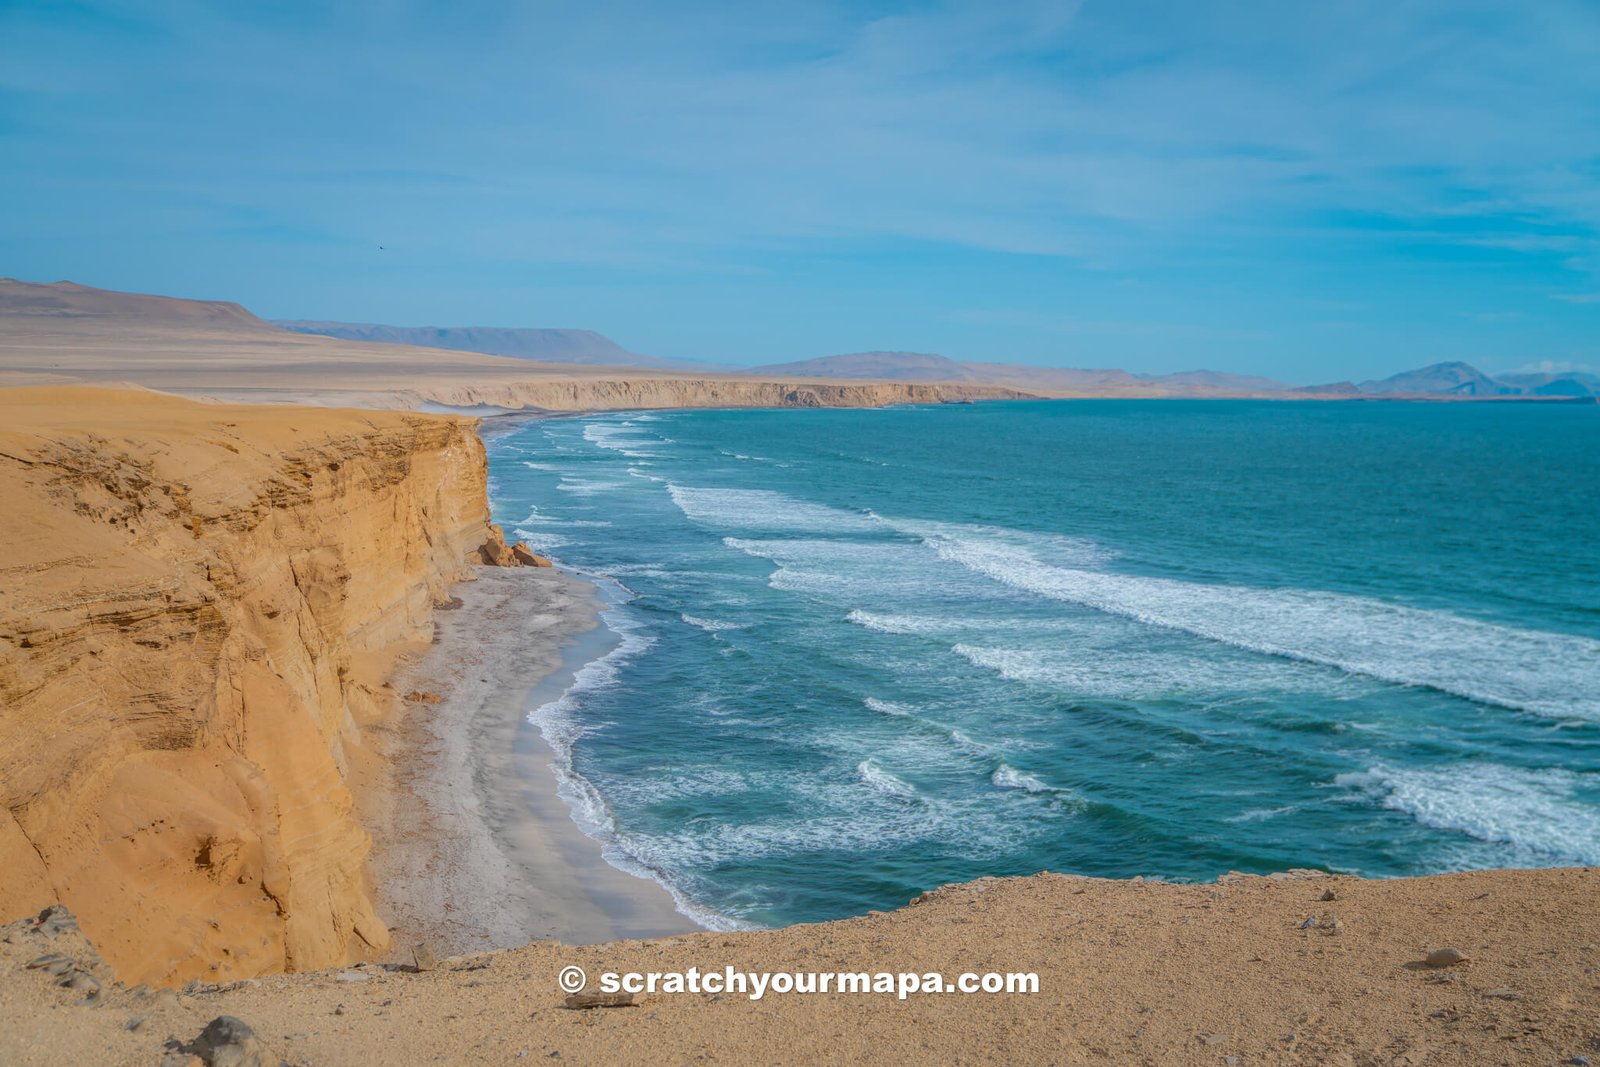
859, 654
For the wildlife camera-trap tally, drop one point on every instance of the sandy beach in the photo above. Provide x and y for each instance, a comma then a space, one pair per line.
473, 847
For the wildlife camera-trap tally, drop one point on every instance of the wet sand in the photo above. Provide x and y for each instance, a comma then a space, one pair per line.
474, 848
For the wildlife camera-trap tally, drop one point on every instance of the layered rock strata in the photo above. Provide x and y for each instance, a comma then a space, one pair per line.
199, 606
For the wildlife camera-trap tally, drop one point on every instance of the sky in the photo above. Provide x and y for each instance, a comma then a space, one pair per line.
1310, 190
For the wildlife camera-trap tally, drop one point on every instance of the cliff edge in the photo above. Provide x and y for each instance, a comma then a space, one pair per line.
198, 607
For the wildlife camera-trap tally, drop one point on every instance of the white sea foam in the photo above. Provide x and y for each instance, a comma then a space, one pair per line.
586, 486
539, 538
882, 781
1008, 777
1532, 670
847, 572
561, 728
1118, 673
1262, 814
559, 723
888, 707
901, 624
621, 437
531, 465
764, 509
545, 520
711, 626
1537, 810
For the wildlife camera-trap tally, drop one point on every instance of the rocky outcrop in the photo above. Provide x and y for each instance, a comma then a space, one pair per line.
525, 556
198, 607
496, 553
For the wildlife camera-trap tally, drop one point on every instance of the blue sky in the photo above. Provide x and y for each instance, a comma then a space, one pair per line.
1310, 190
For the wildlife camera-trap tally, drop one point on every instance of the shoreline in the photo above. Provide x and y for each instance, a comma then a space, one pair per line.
473, 848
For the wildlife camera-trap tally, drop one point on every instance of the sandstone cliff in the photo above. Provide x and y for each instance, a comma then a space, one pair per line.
198, 606
635, 390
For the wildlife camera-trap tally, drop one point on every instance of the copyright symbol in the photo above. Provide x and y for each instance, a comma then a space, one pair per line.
572, 979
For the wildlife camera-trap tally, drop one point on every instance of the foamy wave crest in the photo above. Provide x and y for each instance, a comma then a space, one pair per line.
538, 538
621, 437
558, 723
1536, 810
1056, 549
898, 624
1008, 777
880, 780
531, 465
711, 626
765, 509
1531, 670
846, 571
1102, 670
545, 520
888, 707
561, 728
1262, 814
586, 486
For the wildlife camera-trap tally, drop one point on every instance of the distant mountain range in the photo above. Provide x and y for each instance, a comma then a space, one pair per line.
1454, 379
925, 367
543, 345
41, 302
1463, 379
34, 305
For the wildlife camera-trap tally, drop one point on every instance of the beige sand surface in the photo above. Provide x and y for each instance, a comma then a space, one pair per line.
1129, 973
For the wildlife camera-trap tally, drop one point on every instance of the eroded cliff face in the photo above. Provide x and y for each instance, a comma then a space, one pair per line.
198, 606
554, 392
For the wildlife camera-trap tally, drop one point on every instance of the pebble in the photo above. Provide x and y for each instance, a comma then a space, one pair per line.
1309, 923
582, 1001
1445, 957
352, 976
1328, 894
1214, 1039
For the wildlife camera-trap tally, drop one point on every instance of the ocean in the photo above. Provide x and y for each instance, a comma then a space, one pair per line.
857, 654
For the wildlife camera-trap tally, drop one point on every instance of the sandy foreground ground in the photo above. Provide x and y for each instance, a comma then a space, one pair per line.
1129, 972
474, 849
